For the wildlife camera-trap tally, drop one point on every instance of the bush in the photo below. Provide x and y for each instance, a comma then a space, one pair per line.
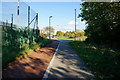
25, 47
9, 53
12, 52
45, 41
34, 46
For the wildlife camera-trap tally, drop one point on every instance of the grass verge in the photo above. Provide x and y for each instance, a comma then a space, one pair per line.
104, 62
65, 38
82, 38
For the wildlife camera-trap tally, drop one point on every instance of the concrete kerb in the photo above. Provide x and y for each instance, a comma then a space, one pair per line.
49, 66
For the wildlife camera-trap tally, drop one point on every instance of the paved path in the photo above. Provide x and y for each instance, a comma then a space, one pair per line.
67, 65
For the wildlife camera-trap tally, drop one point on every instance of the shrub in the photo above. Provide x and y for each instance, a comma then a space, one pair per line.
45, 41
34, 46
12, 52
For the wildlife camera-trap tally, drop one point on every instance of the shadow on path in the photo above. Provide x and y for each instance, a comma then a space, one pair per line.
31, 66
68, 66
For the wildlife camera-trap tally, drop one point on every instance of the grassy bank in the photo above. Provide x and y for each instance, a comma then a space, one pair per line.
104, 62
11, 52
65, 38
82, 38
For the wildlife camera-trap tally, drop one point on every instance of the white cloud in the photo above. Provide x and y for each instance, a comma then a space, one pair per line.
68, 28
72, 23
64, 28
83, 22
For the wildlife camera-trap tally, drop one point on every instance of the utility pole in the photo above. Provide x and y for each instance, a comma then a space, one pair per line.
11, 21
75, 24
18, 12
28, 22
49, 25
28, 16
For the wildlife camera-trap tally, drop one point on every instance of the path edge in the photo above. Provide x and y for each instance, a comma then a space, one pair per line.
49, 66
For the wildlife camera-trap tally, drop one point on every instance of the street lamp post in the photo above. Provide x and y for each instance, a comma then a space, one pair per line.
75, 24
49, 25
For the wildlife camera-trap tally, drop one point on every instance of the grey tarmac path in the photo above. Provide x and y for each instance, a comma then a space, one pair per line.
67, 65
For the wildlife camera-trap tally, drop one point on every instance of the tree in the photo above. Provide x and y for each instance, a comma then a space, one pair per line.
59, 33
47, 29
79, 34
103, 22
69, 34
79, 30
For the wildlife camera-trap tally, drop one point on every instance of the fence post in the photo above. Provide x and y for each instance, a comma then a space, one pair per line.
37, 26
37, 20
28, 16
11, 30
11, 21
28, 22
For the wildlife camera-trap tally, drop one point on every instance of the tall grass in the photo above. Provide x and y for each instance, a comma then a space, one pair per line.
104, 62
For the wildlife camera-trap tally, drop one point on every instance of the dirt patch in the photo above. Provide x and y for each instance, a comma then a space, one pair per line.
32, 65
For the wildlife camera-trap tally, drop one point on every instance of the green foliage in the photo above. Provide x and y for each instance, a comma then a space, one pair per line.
18, 41
34, 46
79, 34
25, 47
19, 36
9, 52
69, 34
45, 41
65, 38
104, 62
59, 33
103, 22
81, 38
47, 29
44, 35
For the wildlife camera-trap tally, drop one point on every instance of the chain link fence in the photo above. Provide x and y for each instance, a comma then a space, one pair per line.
19, 24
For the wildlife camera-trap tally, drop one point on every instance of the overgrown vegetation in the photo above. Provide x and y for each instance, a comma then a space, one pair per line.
104, 62
102, 30
11, 52
103, 22
18, 41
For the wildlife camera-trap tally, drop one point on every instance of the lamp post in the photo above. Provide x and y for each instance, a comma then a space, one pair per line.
49, 25
75, 24
18, 12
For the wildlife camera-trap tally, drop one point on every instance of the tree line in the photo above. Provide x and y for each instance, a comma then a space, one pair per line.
103, 22
70, 34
